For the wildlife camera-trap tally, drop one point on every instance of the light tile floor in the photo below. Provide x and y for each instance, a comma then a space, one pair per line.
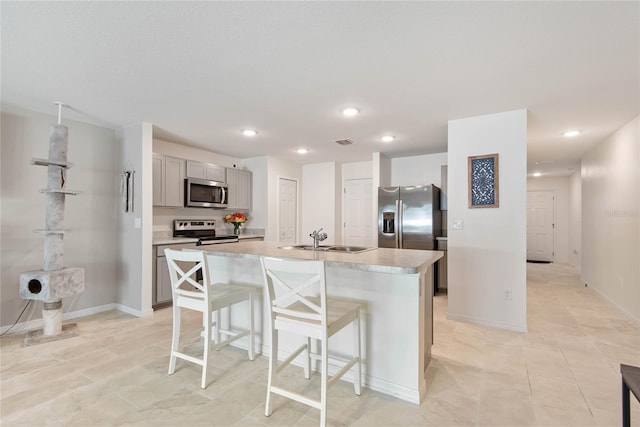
563, 372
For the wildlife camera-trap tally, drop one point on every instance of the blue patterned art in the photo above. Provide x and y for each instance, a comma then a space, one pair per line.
483, 181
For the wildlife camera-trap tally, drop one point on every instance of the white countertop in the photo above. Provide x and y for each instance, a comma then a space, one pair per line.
380, 260
172, 240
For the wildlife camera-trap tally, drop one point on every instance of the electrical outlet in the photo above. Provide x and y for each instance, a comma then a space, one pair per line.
457, 224
507, 294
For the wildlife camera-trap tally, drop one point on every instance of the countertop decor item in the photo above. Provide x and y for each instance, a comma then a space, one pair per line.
237, 219
483, 181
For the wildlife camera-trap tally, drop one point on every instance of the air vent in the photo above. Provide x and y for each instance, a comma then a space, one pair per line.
344, 142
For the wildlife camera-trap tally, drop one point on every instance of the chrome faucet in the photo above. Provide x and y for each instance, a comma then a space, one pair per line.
317, 237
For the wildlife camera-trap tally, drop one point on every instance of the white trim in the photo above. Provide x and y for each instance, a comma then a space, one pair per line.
490, 323
372, 383
628, 315
88, 311
38, 323
132, 311
395, 390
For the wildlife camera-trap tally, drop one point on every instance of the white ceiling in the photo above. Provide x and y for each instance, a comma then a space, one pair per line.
203, 71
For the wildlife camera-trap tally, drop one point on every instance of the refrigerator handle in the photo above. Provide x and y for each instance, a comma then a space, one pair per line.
396, 225
399, 222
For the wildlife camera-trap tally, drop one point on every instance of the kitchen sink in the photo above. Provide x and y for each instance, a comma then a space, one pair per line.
306, 247
349, 249
326, 248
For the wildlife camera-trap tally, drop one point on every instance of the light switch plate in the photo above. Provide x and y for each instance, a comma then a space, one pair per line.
457, 224
137, 223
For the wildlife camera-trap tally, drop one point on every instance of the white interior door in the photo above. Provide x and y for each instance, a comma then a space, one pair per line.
358, 220
540, 226
287, 210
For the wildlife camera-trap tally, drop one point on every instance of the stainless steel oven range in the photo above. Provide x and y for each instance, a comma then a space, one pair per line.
204, 230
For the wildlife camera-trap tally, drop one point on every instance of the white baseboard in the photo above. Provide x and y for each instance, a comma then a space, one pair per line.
398, 391
490, 323
38, 323
604, 296
129, 310
88, 311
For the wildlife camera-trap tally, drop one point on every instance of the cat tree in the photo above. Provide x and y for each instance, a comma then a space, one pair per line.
54, 281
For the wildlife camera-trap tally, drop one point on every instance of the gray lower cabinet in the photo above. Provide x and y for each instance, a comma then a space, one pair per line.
442, 266
163, 282
162, 295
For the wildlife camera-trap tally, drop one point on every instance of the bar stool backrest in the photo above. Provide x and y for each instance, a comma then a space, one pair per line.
293, 288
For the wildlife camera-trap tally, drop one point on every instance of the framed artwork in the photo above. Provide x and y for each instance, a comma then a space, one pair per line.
483, 181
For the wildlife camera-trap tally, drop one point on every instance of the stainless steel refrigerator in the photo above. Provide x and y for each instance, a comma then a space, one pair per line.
409, 217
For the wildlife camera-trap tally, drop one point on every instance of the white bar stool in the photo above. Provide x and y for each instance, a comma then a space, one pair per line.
207, 298
294, 306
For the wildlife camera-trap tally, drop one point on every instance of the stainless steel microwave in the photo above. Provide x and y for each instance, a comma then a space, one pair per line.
201, 193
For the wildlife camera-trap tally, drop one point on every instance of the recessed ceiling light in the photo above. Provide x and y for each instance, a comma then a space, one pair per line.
249, 132
571, 133
302, 151
388, 138
537, 174
350, 111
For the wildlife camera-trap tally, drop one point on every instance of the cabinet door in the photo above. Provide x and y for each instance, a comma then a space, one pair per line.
174, 181
163, 282
216, 173
158, 180
232, 184
245, 181
196, 169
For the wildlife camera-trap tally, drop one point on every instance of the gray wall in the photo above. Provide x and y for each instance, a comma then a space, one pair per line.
135, 229
90, 216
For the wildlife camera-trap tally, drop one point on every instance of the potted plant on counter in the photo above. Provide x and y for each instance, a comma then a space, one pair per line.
236, 219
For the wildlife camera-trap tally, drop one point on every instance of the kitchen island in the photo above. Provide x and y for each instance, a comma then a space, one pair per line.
395, 288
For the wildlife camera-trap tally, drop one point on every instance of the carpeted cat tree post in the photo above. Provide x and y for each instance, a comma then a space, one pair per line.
54, 281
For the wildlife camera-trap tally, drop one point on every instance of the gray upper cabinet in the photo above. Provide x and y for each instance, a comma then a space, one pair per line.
158, 179
240, 184
168, 181
174, 181
208, 171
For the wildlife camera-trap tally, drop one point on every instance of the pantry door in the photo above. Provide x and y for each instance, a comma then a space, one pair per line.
358, 216
287, 210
